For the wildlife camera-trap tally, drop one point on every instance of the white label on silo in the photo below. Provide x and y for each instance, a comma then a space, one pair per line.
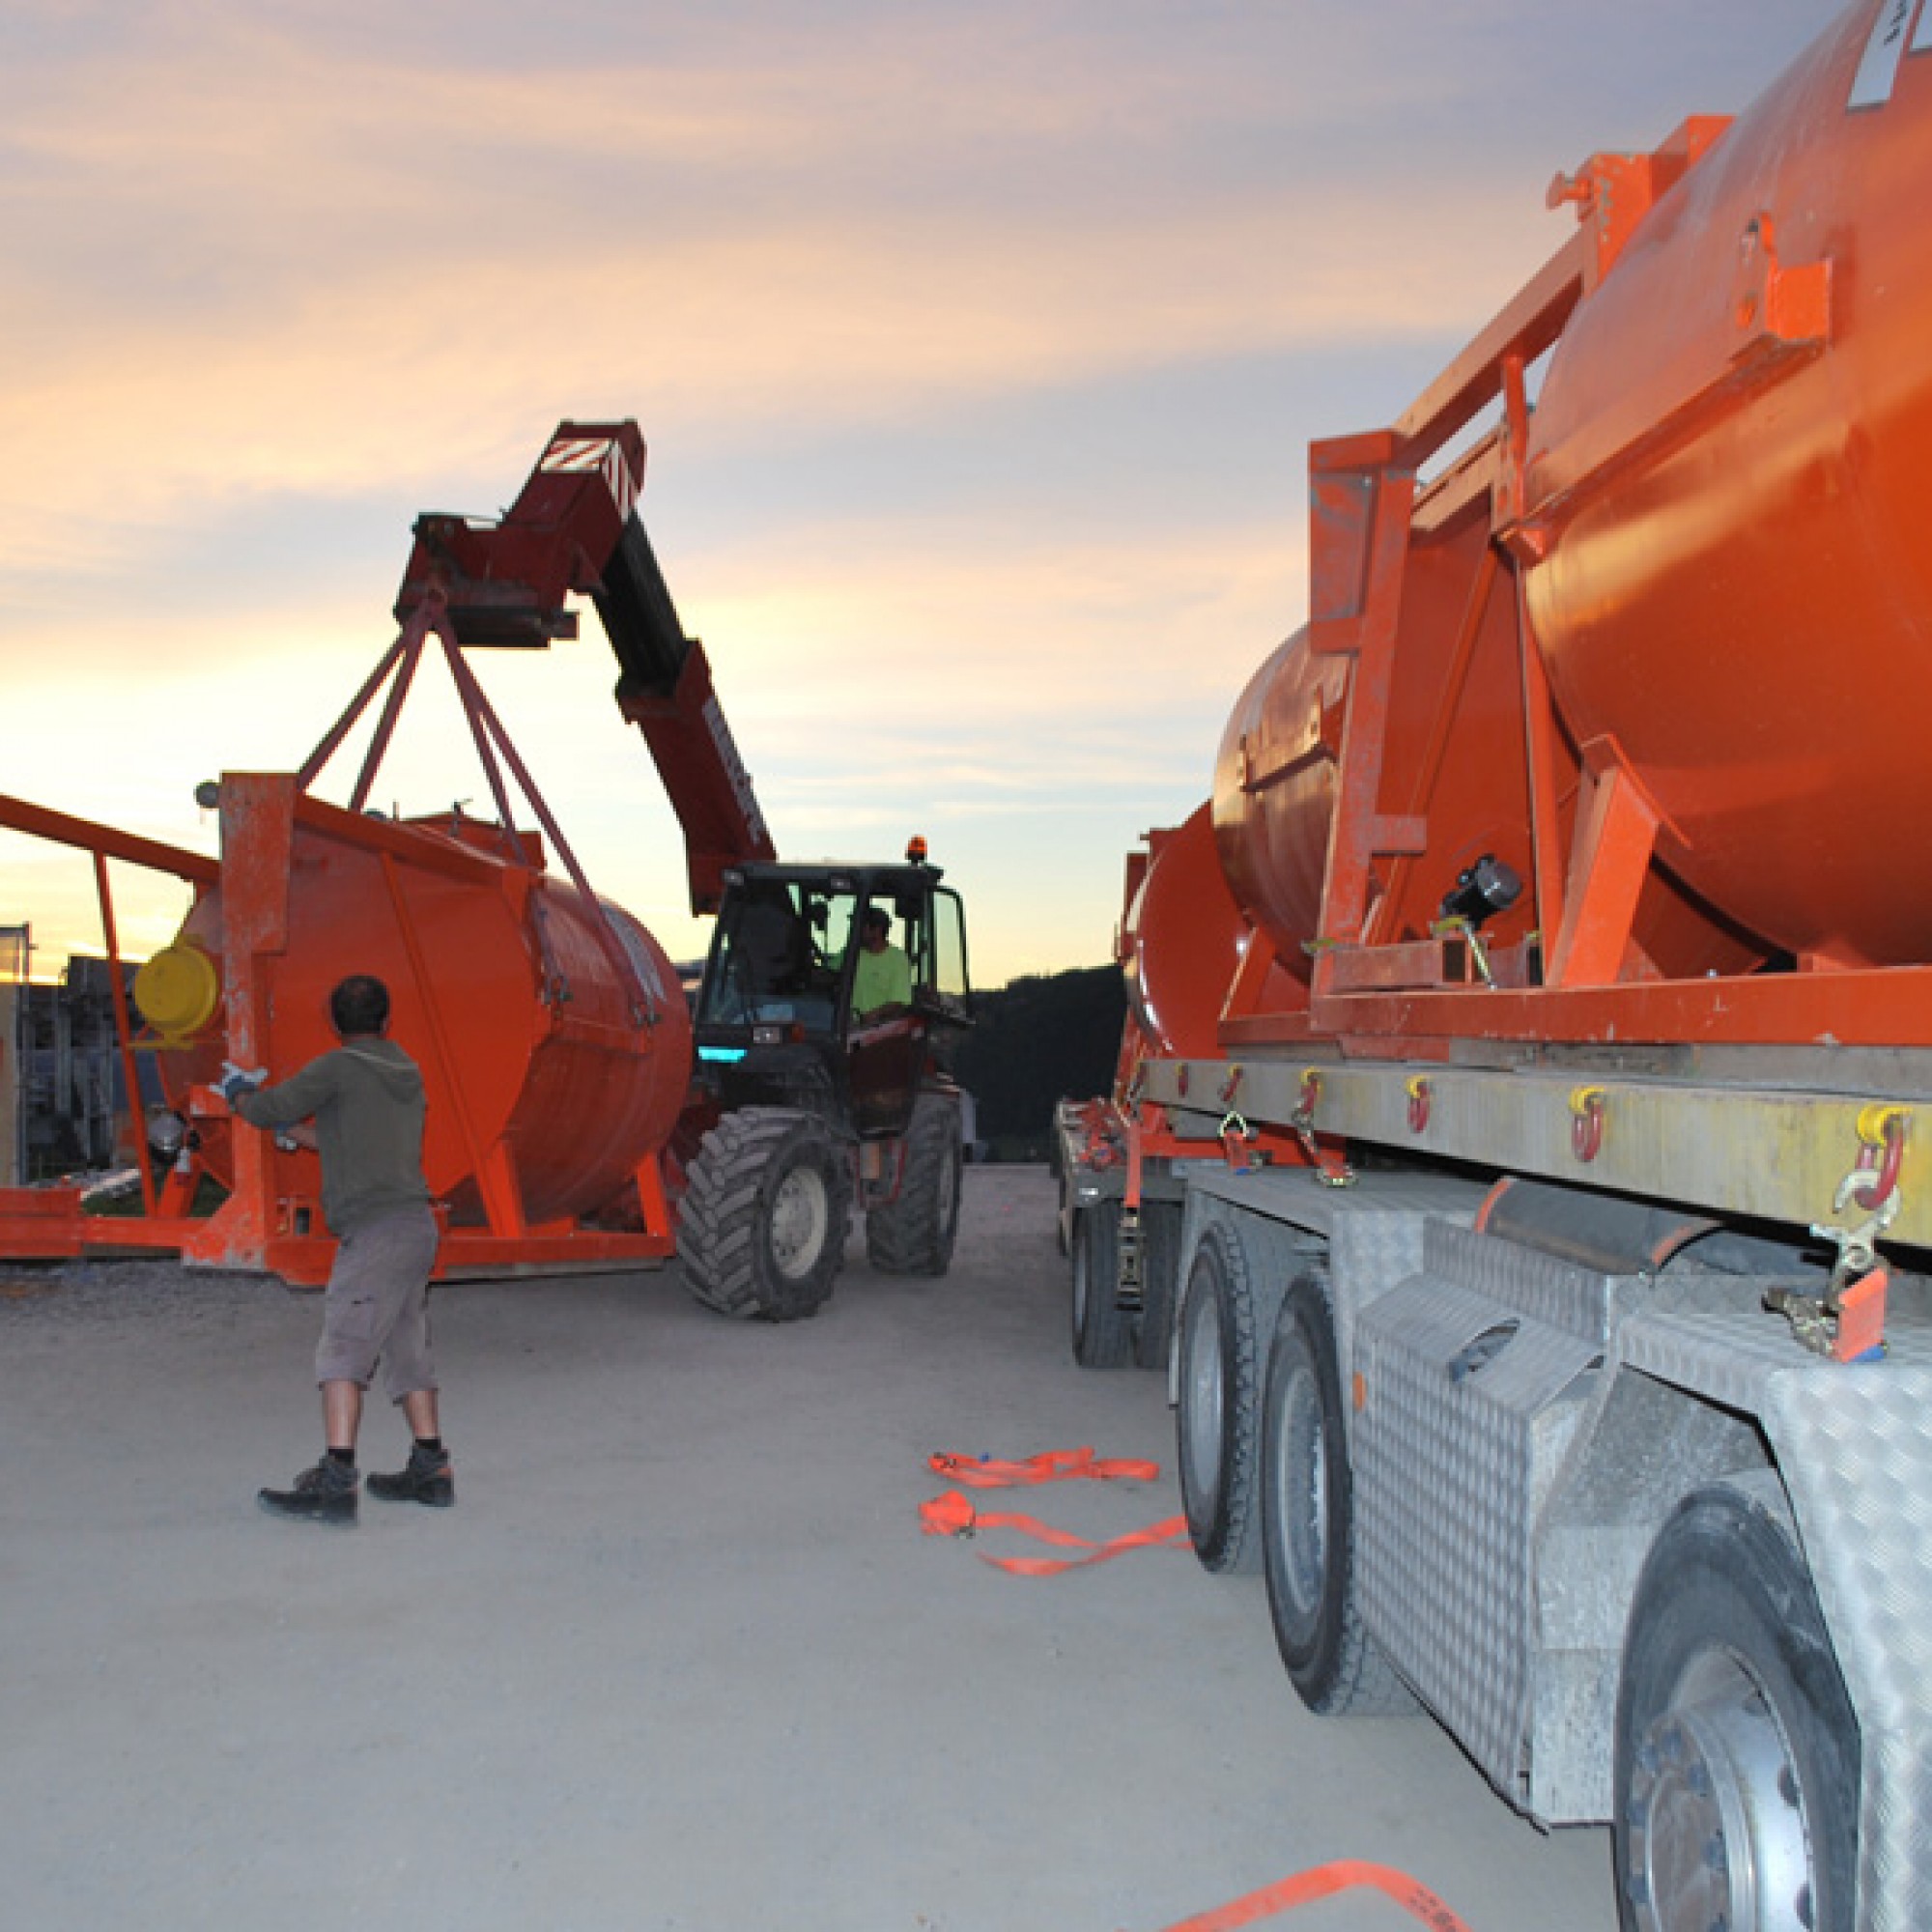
1872, 84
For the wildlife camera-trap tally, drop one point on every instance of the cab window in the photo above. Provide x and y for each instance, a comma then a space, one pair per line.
776, 956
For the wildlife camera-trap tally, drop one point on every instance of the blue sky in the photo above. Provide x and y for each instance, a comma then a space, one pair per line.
976, 348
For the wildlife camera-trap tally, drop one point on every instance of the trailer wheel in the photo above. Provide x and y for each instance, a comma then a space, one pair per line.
1737, 1753
1308, 1540
1103, 1334
914, 1234
761, 1231
1160, 1266
1217, 1374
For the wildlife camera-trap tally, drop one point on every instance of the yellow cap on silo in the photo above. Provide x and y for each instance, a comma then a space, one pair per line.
178, 992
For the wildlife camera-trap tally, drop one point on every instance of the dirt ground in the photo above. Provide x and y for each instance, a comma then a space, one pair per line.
680, 1657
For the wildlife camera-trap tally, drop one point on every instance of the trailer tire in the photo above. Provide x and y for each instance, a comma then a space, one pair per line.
1103, 1333
1737, 1752
1161, 1265
1308, 1542
761, 1230
1217, 1374
914, 1233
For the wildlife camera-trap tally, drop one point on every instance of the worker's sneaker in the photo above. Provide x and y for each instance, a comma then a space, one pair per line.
426, 1478
324, 1493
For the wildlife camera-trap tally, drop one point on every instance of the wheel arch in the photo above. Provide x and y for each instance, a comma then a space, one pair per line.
1851, 1448
1733, 1724
1648, 1446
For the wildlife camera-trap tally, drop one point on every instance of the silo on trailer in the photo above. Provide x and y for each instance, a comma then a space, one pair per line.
1551, 1319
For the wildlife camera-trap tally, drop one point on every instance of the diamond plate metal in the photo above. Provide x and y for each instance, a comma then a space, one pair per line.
1445, 1474
1295, 1195
1456, 1564
1854, 1444
1375, 1229
1572, 1298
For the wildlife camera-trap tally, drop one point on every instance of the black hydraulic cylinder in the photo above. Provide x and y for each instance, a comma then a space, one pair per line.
639, 618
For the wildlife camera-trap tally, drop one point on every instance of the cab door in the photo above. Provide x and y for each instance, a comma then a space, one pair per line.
895, 1055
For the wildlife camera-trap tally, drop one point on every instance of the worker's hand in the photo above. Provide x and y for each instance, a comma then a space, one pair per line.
238, 1080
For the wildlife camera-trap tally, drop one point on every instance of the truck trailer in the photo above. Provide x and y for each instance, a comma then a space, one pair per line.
1517, 1156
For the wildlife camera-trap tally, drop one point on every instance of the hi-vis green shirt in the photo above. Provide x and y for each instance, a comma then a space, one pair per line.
881, 980
366, 1098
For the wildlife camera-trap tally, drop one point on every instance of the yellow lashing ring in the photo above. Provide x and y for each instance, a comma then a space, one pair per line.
1875, 1118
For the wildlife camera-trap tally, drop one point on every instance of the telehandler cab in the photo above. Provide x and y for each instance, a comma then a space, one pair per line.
805, 1103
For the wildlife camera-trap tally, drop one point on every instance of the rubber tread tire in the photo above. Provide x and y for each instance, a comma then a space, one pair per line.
1102, 1334
1218, 1362
1336, 1666
1161, 1268
914, 1233
724, 1222
1724, 1578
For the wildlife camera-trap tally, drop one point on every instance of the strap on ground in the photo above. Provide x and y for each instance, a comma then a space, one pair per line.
1050, 1465
953, 1514
1323, 1882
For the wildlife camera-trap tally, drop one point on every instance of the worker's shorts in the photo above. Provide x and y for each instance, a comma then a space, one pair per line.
376, 1305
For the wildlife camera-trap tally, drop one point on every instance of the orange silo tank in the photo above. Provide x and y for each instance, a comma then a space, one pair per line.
1711, 539
1183, 939
1731, 459
552, 1075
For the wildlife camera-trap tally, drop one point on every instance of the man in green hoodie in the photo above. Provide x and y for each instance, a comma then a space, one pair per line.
366, 1099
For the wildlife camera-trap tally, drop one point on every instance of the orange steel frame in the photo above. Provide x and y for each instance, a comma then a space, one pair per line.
256, 1227
1365, 509
48, 1222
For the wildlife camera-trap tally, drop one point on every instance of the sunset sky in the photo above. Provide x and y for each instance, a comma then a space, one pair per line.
976, 348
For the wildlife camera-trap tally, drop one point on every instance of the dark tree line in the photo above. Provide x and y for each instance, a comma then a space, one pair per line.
1037, 1041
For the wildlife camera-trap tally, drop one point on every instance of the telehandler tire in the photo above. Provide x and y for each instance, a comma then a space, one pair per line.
913, 1234
767, 1203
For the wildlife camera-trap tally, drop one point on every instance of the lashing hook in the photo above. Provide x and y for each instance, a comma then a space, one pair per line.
1586, 1122
1881, 1154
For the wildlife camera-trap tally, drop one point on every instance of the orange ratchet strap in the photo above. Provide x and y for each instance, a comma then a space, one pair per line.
1050, 1465
953, 1514
1323, 1882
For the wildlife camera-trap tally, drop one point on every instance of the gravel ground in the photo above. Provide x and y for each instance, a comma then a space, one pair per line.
680, 1657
